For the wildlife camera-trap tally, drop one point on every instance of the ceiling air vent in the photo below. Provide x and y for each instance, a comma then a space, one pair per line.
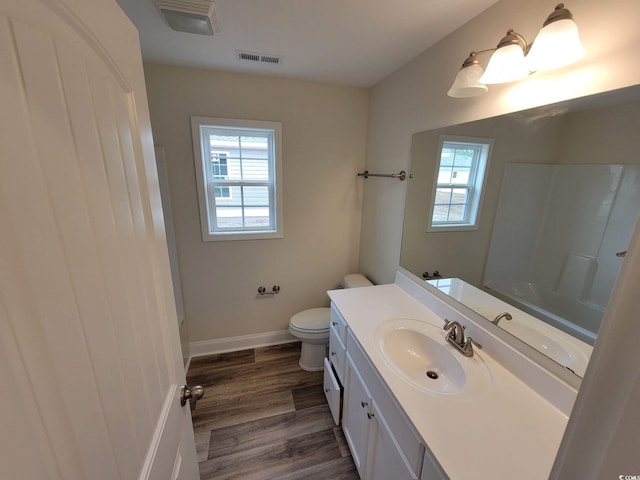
191, 16
259, 57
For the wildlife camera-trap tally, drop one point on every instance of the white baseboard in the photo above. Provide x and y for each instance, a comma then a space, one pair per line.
232, 344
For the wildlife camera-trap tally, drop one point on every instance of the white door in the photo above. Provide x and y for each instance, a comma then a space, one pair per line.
90, 363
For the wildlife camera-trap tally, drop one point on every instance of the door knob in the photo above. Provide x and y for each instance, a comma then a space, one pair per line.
194, 394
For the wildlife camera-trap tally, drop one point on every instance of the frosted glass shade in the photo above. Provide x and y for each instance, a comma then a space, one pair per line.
507, 64
558, 44
467, 83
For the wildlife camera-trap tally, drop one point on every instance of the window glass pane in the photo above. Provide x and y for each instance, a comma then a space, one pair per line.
227, 196
440, 213
222, 193
228, 217
446, 157
443, 195
460, 175
223, 142
256, 196
444, 175
255, 169
459, 196
257, 217
456, 213
463, 158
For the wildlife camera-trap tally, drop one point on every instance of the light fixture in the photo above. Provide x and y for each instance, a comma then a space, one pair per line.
190, 16
507, 64
557, 44
467, 82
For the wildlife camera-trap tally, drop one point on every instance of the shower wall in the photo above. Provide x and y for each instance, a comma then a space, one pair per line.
559, 227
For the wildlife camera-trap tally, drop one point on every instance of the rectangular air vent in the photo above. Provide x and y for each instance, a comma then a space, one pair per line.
259, 57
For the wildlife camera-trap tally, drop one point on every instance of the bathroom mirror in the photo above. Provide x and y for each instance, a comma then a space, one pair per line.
559, 202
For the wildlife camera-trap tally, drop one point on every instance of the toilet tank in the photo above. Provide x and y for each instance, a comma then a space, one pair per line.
355, 280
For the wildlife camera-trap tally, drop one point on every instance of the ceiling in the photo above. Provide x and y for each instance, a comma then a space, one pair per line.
349, 42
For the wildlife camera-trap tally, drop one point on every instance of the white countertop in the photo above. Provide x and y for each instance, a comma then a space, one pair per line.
509, 432
561, 347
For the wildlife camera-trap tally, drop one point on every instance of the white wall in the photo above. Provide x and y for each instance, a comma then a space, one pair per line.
324, 140
413, 99
600, 441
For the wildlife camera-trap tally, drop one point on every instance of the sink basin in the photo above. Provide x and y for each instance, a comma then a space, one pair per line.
540, 342
418, 352
544, 339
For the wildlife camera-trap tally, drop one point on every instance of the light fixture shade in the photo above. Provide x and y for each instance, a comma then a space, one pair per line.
557, 44
507, 64
467, 82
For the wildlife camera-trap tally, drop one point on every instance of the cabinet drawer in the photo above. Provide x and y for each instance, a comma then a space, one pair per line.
332, 391
400, 427
336, 353
339, 324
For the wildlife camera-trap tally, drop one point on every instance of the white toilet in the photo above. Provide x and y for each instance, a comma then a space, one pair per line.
311, 327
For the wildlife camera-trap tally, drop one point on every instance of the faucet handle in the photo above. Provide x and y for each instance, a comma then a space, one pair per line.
470, 341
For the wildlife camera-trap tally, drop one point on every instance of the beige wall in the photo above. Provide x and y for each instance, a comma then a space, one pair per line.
323, 147
600, 441
413, 99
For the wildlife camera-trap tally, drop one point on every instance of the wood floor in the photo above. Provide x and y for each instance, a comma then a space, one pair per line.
263, 417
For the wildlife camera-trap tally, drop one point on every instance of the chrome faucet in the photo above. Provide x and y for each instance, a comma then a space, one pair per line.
455, 336
505, 315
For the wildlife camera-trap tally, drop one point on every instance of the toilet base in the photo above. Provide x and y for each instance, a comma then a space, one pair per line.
312, 356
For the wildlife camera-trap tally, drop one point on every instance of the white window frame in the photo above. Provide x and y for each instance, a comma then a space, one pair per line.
206, 197
478, 173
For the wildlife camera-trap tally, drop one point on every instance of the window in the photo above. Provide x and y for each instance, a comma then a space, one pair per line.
458, 184
239, 178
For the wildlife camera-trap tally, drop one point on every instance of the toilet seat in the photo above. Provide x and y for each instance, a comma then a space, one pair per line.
314, 320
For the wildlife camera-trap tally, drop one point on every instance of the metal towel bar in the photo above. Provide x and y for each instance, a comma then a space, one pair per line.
401, 176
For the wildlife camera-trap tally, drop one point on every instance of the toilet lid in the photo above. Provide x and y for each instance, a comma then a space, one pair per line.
313, 319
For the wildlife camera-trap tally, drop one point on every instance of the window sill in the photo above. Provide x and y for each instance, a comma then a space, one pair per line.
226, 237
451, 228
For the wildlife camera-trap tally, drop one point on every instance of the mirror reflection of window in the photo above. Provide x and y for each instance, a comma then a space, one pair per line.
459, 181
220, 171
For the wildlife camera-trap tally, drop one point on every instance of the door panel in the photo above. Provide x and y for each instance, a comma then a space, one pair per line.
356, 415
88, 319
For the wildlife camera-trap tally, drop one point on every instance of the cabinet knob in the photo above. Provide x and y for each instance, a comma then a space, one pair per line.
364, 404
370, 415
335, 324
326, 390
333, 354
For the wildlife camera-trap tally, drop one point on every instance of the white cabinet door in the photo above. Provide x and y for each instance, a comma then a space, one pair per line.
88, 332
385, 459
356, 415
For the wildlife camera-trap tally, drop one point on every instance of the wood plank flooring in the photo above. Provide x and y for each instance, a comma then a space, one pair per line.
263, 417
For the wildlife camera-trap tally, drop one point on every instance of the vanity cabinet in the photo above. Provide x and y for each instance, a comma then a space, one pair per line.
382, 440
385, 460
